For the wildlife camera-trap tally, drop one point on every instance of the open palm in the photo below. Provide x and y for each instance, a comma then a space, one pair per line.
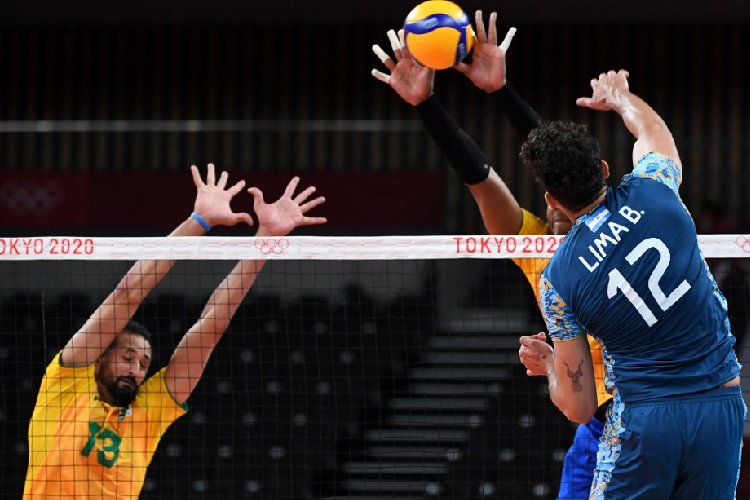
487, 67
213, 198
286, 213
412, 81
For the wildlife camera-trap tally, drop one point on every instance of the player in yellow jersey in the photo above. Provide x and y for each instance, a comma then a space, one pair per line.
500, 210
97, 419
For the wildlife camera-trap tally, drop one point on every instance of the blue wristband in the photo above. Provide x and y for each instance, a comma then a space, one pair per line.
200, 221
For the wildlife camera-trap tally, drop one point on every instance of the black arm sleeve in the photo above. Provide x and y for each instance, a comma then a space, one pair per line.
461, 151
522, 116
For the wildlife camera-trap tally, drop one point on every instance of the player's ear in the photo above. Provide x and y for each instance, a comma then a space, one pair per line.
551, 201
605, 169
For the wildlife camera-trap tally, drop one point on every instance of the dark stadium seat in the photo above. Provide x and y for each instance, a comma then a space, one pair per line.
23, 338
309, 314
23, 313
65, 315
515, 451
167, 316
260, 313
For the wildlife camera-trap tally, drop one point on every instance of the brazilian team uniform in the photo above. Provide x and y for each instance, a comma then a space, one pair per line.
630, 273
580, 460
82, 448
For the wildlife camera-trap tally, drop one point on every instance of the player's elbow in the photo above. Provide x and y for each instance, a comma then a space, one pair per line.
210, 324
582, 412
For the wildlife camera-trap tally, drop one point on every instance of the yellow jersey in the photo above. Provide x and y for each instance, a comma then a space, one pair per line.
82, 448
532, 269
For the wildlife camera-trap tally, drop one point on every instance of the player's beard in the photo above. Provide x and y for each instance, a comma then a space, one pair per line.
123, 394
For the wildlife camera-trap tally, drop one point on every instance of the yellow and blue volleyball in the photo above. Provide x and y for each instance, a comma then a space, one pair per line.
438, 34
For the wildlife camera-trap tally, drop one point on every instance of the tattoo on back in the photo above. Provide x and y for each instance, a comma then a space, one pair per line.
575, 376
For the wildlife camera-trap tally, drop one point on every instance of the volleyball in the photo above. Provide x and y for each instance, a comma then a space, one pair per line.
438, 34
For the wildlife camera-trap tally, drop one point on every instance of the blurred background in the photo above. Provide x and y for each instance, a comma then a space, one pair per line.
105, 105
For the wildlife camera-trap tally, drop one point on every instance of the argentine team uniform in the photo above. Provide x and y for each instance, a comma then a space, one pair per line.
82, 448
580, 459
630, 273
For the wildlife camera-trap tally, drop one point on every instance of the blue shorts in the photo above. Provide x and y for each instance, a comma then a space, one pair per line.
580, 461
680, 448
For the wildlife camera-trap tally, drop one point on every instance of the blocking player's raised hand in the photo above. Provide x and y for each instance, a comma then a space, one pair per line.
213, 198
412, 81
286, 213
487, 67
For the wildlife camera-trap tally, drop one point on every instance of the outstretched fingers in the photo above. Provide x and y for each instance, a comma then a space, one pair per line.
386, 60
306, 207
481, 32
300, 198
197, 180
291, 187
257, 195
384, 57
243, 217
223, 180
211, 175
381, 76
505, 45
236, 188
585, 102
312, 221
396, 45
492, 37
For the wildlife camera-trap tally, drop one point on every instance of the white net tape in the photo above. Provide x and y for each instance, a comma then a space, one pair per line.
316, 248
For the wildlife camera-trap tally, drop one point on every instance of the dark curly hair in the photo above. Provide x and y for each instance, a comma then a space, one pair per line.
566, 161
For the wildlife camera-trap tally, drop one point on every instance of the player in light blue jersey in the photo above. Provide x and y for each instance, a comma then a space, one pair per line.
630, 273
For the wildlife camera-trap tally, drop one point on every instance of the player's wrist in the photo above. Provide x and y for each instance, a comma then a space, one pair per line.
495, 85
424, 99
204, 221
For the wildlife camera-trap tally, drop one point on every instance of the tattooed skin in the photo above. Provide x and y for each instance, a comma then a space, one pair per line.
575, 377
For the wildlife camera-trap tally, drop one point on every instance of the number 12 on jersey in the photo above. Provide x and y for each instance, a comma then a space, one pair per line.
618, 282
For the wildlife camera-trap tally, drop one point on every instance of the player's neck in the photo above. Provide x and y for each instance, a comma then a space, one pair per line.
575, 215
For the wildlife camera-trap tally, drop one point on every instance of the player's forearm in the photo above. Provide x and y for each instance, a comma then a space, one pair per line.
144, 275
570, 395
640, 119
500, 210
555, 392
647, 127
520, 114
223, 303
466, 158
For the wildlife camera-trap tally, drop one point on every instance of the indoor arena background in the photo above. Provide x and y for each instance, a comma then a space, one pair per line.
103, 108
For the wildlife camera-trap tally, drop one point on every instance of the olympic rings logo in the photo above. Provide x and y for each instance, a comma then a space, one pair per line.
272, 245
744, 243
30, 198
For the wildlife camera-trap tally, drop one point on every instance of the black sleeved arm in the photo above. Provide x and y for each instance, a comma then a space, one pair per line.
522, 116
466, 158
461, 151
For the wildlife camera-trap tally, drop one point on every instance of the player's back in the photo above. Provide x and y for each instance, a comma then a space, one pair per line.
632, 274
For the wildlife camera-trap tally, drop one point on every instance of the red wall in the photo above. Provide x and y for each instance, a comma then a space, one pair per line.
163, 199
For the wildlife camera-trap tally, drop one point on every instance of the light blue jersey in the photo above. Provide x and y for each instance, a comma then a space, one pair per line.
631, 274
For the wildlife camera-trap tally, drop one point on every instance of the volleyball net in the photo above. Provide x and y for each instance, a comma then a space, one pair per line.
363, 367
